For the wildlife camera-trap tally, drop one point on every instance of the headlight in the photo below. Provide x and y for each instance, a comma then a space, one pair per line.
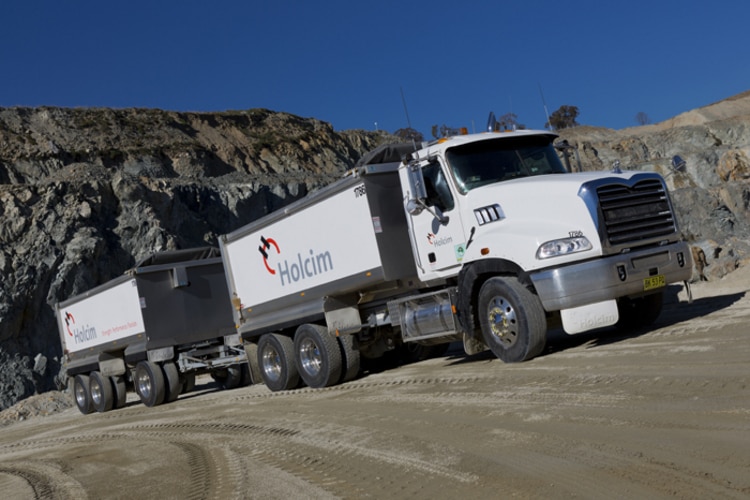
563, 246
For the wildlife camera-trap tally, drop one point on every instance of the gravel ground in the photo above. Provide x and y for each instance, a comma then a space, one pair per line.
657, 413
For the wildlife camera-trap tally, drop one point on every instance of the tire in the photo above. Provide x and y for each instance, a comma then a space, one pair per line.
246, 378
251, 351
149, 383
318, 356
229, 377
350, 357
640, 311
512, 318
172, 382
82, 394
121, 391
414, 351
102, 392
188, 382
276, 362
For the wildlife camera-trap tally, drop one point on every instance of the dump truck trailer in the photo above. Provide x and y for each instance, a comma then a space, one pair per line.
153, 329
485, 239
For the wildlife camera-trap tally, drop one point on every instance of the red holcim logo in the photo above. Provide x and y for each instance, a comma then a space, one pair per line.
265, 244
69, 319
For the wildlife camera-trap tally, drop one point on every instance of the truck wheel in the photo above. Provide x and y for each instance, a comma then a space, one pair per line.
251, 351
640, 311
149, 383
102, 397
173, 384
188, 382
512, 318
414, 351
82, 394
121, 391
229, 377
246, 378
350, 357
276, 362
318, 355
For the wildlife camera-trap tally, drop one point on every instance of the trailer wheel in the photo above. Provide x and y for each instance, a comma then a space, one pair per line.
173, 384
188, 382
513, 323
229, 377
102, 397
276, 361
640, 311
318, 355
149, 383
82, 394
350, 357
121, 391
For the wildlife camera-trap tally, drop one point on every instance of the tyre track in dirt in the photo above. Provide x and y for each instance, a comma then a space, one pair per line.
34, 479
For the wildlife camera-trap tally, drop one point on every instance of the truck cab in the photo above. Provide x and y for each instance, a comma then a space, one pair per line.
499, 211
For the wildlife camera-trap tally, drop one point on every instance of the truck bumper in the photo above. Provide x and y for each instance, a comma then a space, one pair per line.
612, 276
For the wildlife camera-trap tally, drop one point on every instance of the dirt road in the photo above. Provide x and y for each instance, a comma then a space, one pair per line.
662, 413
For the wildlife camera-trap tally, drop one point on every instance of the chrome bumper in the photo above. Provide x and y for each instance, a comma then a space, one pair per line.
612, 276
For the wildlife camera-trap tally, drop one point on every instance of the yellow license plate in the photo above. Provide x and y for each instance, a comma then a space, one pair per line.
652, 282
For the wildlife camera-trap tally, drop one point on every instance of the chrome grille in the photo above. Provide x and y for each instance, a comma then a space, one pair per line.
635, 214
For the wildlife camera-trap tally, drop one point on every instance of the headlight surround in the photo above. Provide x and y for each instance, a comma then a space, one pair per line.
563, 246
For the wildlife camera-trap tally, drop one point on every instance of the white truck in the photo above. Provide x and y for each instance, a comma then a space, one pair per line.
484, 238
154, 328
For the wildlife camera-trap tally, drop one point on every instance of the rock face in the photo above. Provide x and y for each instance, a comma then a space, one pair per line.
86, 193
711, 193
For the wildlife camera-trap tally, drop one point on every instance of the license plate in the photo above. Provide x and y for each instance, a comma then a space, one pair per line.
652, 282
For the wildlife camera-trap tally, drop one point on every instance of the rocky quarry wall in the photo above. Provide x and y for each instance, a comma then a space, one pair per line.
87, 193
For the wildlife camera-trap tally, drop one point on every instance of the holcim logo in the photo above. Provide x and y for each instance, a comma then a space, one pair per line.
438, 242
298, 269
265, 244
69, 319
83, 334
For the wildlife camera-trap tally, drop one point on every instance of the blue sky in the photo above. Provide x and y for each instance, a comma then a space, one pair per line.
347, 62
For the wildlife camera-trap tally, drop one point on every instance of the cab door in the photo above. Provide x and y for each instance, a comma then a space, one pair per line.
437, 231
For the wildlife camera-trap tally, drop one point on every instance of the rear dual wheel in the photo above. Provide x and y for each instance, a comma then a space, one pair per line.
276, 362
318, 356
82, 393
149, 383
102, 392
96, 392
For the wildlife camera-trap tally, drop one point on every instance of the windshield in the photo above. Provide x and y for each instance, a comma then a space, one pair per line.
486, 162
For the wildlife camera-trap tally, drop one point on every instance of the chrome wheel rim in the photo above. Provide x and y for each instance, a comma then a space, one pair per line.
271, 363
503, 321
310, 357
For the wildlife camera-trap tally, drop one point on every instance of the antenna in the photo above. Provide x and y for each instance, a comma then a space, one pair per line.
403, 100
545, 106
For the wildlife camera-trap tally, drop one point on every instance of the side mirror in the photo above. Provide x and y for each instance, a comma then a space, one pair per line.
417, 189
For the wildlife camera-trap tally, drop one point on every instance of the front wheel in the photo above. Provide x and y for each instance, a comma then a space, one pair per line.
512, 318
640, 311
